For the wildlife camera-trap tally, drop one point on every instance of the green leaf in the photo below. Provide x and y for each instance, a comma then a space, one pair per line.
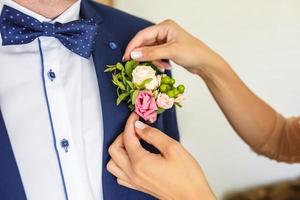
119, 91
121, 86
130, 84
142, 85
123, 77
118, 83
110, 69
122, 97
179, 105
129, 67
115, 79
131, 107
134, 96
160, 111
120, 67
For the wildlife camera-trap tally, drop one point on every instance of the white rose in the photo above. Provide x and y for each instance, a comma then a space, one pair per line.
164, 101
154, 83
142, 73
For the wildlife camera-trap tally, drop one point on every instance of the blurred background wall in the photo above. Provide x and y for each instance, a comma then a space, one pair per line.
261, 40
107, 2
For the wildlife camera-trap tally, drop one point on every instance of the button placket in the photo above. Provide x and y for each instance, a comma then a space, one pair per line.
67, 150
57, 102
51, 65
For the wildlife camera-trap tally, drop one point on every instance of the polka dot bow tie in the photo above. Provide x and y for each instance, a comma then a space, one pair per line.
19, 28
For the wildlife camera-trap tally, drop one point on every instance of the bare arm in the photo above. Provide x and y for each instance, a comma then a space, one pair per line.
258, 124
266, 131
174, 174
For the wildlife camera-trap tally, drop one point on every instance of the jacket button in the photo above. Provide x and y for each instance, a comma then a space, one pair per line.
113, 45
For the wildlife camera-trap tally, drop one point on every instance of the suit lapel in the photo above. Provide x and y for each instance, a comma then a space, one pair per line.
113, 116
11, 186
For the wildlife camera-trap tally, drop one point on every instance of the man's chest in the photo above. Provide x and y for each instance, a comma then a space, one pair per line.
28, 86
44, 104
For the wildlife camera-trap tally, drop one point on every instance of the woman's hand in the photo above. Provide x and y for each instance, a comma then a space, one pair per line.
168, 40
256, 122
172, 174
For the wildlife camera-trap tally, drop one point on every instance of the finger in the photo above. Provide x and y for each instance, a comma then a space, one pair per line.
132, 144
146, 36
150, 53
122, 178
154, 137
116, 171
119, 155
162, 65
126, 184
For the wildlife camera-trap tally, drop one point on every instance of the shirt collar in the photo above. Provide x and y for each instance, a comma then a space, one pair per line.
71, 14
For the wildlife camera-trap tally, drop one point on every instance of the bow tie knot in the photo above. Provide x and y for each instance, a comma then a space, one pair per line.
19, 28
48, 29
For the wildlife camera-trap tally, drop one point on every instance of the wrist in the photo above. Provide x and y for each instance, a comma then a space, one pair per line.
212, 71
201, 191
196, 195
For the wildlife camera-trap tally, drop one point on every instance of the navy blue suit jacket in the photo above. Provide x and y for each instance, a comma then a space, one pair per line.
114, 26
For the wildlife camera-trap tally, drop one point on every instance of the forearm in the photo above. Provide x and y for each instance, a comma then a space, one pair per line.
256, 122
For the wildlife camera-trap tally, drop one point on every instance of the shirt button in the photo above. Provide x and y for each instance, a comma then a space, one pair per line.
113, 45
64, 143
51, 75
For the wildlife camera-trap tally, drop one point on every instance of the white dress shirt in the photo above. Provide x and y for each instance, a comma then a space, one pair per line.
49, 170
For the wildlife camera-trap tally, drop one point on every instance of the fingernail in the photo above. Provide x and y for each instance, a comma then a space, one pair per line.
136, 54
123, 59
140, 125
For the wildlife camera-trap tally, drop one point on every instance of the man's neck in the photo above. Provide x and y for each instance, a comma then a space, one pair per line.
47, 8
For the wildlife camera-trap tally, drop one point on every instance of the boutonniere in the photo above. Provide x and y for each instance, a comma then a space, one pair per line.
145, 89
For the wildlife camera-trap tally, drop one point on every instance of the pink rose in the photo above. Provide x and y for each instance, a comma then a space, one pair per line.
164, 101
145, 106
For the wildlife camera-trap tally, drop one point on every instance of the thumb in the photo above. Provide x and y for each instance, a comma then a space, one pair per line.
152, 53
154, 137
131, 141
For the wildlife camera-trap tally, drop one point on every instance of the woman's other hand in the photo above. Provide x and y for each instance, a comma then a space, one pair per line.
167, 40
172, 174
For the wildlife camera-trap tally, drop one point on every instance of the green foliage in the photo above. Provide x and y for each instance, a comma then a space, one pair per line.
160, 111
118, 83
128, 92
142, 85
121, 97
129, 67
134, 96
122, 78
168, 87
181, 89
